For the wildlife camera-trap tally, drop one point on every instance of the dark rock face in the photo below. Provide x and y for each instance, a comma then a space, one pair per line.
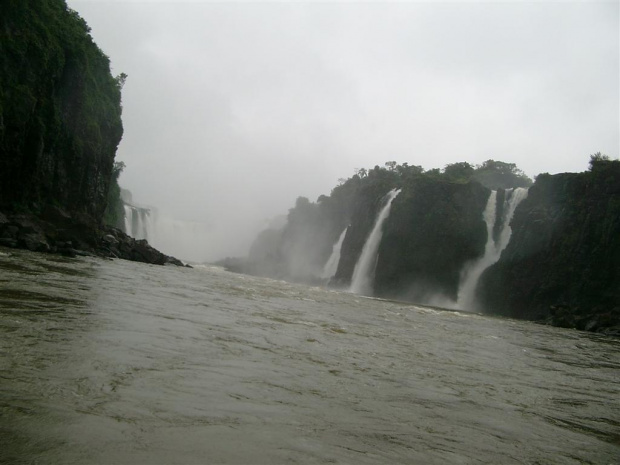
562, 264
369, 203
434, 228
60, 112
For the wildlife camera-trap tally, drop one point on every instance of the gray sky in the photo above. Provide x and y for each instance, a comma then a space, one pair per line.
232, 110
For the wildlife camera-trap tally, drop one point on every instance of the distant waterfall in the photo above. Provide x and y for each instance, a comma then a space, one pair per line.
363, 274
128, 219
493, 249
330, 268
138, 222
186, 240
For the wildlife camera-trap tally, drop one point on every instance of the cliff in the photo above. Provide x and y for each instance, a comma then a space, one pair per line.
60, 111
561, 264
434, 229
563, 260
60, 125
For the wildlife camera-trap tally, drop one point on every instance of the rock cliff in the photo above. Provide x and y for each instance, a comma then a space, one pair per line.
561, 265
434, 228
60, 112
563, 261
60, 125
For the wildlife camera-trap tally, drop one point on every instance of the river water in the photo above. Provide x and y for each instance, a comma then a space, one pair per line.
114, 362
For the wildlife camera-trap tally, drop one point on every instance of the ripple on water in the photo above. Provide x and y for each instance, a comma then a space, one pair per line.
117, 362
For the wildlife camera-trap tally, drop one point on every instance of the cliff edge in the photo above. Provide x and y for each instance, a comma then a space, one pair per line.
562, 264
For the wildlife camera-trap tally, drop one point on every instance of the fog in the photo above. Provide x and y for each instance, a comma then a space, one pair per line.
233, 110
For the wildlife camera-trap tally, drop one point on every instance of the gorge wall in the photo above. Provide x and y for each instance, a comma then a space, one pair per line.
563, 260
60, 112
60, 125
561, 264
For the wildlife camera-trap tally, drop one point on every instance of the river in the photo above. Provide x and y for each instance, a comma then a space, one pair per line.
114, 362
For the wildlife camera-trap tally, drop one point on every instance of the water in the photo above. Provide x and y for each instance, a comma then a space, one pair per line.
363, 273
118, 362
138, 223
493, 250
128, 219
331, 266
186, 240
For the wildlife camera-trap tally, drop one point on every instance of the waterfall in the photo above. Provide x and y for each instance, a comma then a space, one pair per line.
493, 249
138, 223
330, 268
187, 240
363, 274
128, 219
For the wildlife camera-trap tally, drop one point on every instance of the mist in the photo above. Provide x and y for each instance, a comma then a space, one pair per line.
233, 110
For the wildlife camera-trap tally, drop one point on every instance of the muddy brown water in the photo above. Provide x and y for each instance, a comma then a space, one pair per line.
114, 362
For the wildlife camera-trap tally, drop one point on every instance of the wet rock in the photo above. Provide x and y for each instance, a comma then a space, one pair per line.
57, 232
56, 215
7, 242
10, 231
34, 242
67, 252
562, 316
110, 239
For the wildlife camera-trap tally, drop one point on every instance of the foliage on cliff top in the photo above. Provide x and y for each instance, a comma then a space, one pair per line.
60, 111
378, 180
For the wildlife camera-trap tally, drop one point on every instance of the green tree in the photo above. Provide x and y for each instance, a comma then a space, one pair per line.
500, 175
598, 160
461, 171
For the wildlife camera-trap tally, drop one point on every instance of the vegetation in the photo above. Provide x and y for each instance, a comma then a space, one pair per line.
60, 110
499, 175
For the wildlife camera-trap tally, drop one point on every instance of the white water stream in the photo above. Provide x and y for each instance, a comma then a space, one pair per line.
493, 249
331, 266
363, 274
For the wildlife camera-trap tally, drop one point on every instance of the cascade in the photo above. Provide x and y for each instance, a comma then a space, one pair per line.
128, 219
493, 249
138, 222
363, 274
330, 268
183, 239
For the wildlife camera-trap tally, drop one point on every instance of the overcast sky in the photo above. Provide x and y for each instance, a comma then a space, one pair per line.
232, 110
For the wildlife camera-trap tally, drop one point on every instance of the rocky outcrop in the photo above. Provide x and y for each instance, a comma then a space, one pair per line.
57, 232
562, 265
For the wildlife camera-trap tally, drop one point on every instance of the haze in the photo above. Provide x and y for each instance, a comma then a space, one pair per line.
233, 110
